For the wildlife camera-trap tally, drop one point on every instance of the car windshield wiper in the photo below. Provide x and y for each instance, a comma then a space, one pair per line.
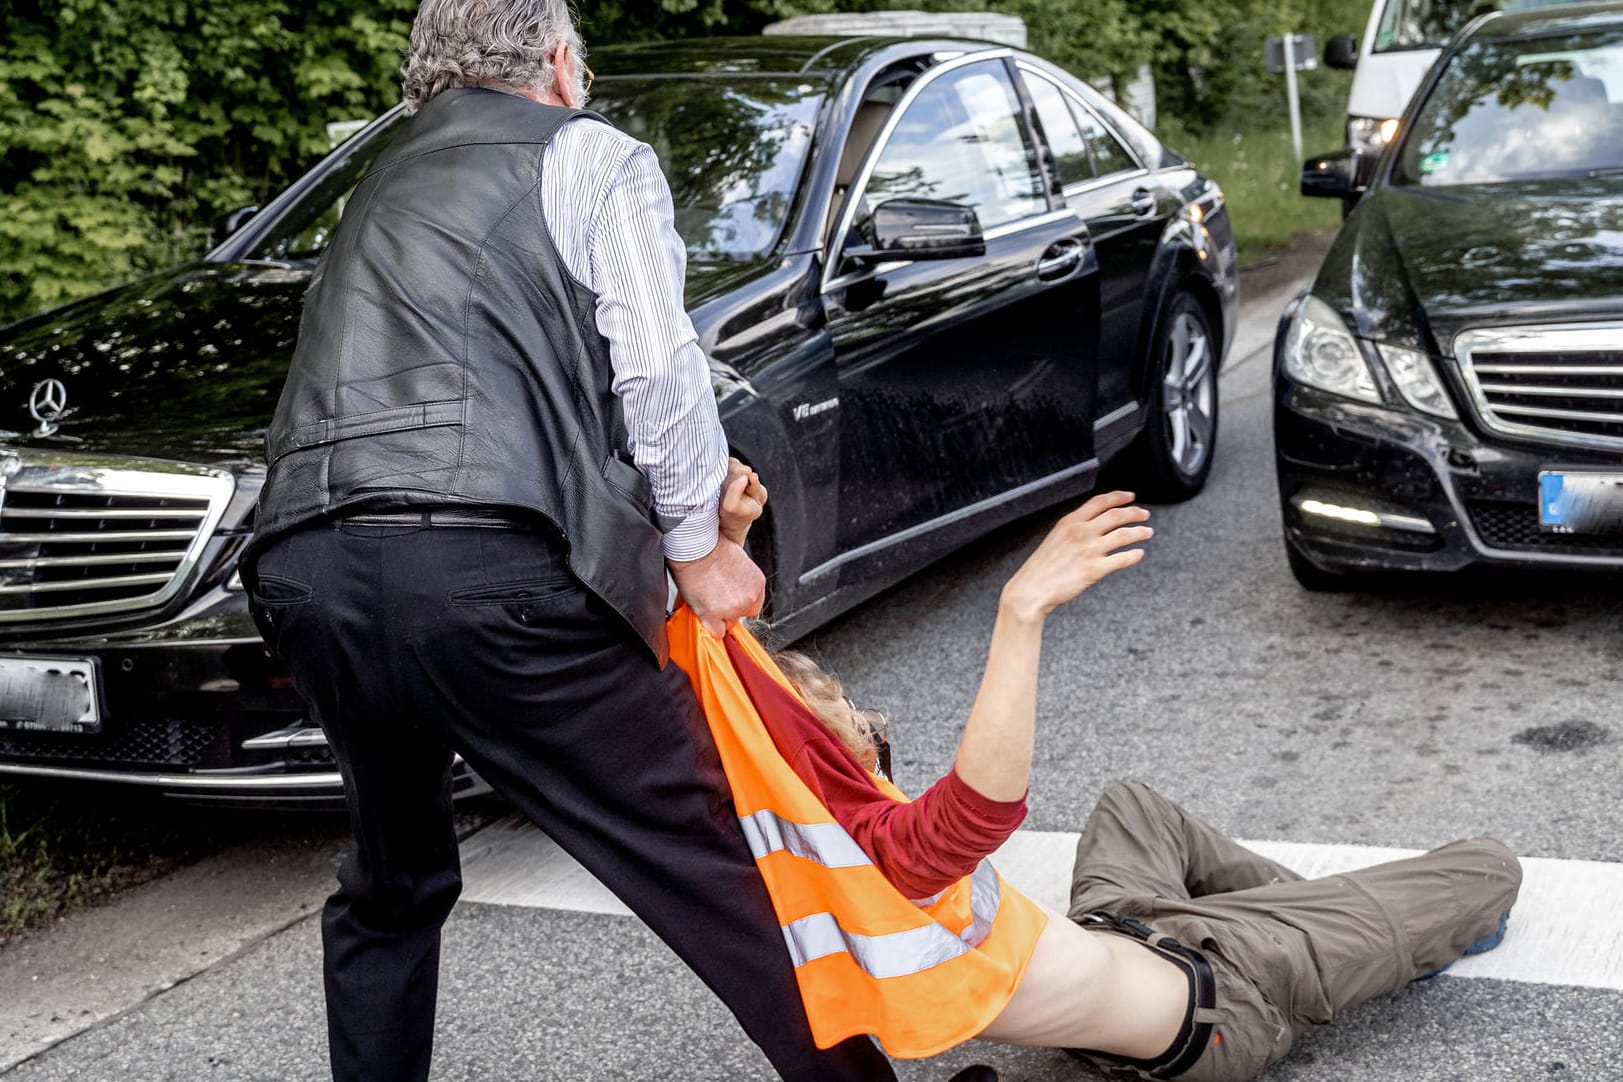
1608, 171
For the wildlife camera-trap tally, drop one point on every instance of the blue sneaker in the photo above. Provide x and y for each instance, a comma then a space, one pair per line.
1481, 946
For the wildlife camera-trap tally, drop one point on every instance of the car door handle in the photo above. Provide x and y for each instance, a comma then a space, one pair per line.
1143, 202
1061, 258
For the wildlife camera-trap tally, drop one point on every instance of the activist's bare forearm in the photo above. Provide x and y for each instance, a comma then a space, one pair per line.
995, 751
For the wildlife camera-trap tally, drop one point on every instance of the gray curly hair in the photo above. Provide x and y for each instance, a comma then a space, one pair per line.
478, 42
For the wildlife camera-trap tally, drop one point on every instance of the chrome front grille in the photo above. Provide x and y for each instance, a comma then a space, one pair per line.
81, 536
1558, 384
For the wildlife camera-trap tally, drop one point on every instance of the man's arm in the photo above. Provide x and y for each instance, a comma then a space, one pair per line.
638, 264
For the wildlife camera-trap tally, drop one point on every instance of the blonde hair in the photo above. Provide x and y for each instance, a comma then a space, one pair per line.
856, 729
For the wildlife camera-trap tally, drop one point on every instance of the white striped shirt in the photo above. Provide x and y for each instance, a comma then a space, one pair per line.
609, 210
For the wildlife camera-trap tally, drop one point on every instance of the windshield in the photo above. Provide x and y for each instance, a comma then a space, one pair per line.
1428, 24
732, 151
1521, 110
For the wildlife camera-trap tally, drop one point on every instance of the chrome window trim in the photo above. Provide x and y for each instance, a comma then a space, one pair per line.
836, 239
1057, 76
951, 518
93, 474
1083, 187
1007, 229
1535, 338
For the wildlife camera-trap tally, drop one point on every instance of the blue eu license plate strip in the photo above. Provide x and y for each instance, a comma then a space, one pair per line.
1578, 502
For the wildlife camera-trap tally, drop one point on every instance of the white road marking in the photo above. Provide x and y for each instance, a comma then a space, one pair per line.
512, 863
1566, 929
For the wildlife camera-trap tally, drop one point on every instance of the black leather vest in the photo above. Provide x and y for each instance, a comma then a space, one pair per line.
446, 357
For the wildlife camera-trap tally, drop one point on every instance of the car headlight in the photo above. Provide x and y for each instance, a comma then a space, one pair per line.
1417, 380
1321, 352
1370, 134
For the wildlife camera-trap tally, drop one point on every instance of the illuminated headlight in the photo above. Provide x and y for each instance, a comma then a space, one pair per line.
1369, 134
1417, 380
1321, 352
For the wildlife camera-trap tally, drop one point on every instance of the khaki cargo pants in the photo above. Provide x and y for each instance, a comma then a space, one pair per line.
1288, 953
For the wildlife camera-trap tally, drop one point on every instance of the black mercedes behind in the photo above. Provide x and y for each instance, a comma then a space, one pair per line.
1449, 391
940, 283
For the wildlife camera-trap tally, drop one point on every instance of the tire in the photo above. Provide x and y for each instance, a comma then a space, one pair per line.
1173, 455
1310, 576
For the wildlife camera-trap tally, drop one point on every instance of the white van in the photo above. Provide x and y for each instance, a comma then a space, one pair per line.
1401, 40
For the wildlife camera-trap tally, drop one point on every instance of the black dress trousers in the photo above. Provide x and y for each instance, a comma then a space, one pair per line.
410, 642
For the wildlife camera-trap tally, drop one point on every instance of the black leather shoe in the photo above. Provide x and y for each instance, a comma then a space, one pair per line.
978, 1073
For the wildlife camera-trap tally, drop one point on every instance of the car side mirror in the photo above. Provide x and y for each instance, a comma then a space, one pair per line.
1341, 52
236, 220
1342, 175
922, 229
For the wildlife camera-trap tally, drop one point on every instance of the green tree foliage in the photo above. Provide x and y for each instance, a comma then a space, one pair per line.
129, 127
1208, 59
1096, 37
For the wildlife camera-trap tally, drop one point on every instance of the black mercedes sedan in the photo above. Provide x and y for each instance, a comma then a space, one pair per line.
941, 283
1450, 389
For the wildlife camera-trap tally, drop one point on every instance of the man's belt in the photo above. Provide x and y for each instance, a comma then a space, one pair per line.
1196, 1033
488, 517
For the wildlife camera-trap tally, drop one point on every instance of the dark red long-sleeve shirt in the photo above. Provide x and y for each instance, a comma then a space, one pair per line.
922, 847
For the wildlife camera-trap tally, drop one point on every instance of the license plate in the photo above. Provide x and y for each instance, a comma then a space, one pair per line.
1580, 502
49, 694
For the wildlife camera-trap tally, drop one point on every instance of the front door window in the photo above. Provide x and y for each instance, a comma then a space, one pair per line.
960, 141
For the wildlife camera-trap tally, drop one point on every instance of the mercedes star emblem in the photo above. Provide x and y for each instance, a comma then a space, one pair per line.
48, 402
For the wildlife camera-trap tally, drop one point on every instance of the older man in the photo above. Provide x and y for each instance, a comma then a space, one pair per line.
497, 432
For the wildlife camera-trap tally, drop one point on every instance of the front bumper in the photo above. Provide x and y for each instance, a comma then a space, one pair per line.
180, 699
1446, 497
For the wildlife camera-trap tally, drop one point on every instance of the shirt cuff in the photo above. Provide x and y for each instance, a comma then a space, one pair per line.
694, 537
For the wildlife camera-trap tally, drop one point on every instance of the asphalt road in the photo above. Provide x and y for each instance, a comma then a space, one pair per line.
1401, 716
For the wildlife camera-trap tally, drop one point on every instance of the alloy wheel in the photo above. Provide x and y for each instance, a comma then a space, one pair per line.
1189, 392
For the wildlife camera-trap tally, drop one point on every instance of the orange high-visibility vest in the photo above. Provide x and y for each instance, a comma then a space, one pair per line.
920, 976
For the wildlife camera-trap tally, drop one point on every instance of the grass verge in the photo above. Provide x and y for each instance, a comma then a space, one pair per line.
1260, 177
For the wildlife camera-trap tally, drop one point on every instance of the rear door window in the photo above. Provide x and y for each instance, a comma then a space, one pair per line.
1109, 156
1071, 160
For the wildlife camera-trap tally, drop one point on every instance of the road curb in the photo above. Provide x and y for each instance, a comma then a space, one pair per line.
100, 963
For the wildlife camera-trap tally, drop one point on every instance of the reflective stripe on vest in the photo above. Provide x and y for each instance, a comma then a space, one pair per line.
898, 953
820, 934
826, 843
920, 976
